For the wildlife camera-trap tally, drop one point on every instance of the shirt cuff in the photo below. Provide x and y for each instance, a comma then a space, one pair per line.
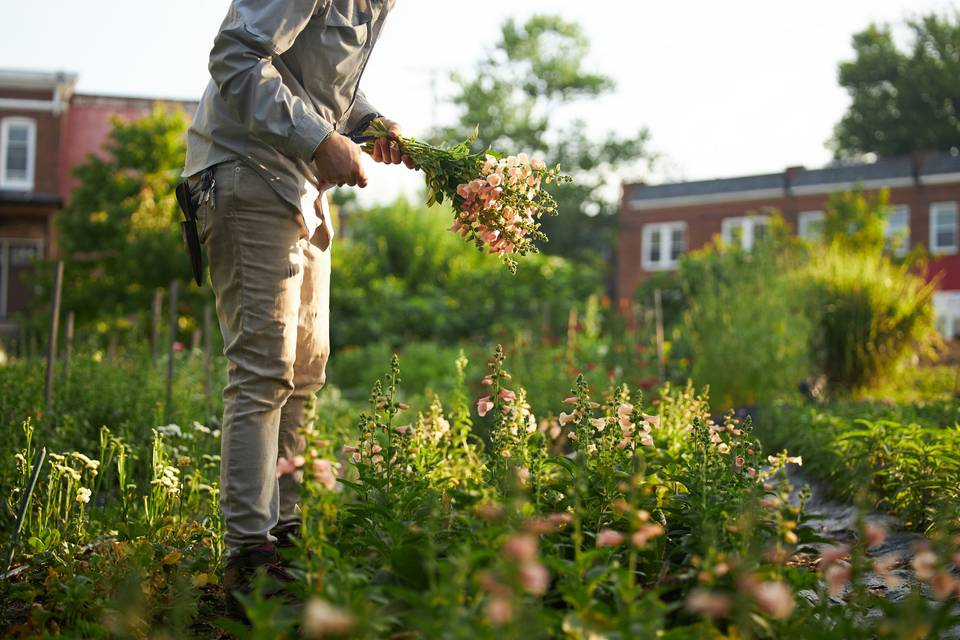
309, 131
361, 114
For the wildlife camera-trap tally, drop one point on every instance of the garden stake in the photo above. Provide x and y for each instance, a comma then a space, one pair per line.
68, 347
54, 330
155, 323
174, 290
25, 503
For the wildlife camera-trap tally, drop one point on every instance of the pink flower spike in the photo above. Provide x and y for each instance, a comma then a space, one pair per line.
610, 538
484, 405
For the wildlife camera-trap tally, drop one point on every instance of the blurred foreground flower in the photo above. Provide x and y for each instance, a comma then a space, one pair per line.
321, 619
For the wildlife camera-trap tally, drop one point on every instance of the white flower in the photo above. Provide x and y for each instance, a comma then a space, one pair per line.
170, 430
321, 619
83, 495
201, 428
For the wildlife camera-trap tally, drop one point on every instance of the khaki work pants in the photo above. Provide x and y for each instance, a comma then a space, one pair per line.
272, 290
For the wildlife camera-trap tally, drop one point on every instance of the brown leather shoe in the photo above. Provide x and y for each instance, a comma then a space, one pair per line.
238, 577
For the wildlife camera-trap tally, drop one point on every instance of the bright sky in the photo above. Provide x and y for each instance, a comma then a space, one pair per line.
726, 88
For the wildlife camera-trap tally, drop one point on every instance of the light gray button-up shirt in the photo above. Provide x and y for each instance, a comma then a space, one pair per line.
284, 74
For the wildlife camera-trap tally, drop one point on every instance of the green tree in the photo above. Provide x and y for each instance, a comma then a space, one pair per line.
902, 101
514, 95
120, 235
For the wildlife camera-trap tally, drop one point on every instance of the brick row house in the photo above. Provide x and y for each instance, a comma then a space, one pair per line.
46, 129
661, 223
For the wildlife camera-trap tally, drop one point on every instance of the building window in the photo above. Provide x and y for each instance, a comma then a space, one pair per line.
17, 256
810, 225
897, 232
946, 308
18, 143
943, 227
663, 245
744, 231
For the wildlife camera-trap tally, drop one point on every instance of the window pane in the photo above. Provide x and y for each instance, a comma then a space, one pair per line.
759, 230
18, 135
23, 254
653, 248
18, 153
678, 243
945, 227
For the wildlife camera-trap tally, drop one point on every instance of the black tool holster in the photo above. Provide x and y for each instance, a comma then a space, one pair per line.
191, 237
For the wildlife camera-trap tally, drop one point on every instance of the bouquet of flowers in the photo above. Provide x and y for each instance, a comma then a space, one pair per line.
497, 200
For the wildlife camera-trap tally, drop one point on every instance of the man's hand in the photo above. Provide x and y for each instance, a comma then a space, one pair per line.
337, 161
388, 151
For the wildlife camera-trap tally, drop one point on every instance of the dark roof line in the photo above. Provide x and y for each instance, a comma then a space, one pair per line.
905, 167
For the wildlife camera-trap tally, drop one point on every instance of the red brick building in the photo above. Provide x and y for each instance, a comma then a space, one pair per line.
46, 129
660, 223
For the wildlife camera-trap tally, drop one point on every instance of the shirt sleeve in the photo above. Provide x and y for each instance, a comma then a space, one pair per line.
362, 113
241, 65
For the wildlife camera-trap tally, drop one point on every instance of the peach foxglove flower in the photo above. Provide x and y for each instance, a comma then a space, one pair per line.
484, 405
535, 578
507, 395
651, 420
570, 400
710, 604
566, 418
625, 409
521, 547
610, 538
775, 598
599, 423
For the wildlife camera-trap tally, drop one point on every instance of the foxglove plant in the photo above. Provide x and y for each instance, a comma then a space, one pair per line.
497, 200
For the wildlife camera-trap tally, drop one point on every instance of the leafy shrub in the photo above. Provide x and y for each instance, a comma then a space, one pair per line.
744, 329
402, 276
870, 315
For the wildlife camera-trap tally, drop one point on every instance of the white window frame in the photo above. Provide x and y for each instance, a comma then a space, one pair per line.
5, 266
805, 219
936, 209
946, 308
666, 230
749, 223
904, 247
5, 125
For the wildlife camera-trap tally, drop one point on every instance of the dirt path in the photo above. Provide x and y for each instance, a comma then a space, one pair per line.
837, 523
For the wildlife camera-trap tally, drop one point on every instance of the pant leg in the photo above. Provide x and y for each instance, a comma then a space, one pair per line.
309, 371
257, 271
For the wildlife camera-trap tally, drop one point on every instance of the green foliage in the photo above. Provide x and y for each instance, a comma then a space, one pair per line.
119, 236
871, 317
902, 460
903, 101
403, 276
515, 95
619, 517
744, 328
871, 314
756, 323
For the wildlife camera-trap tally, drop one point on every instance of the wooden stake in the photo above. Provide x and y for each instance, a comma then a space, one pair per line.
658, 312
172, 338
54, 332
68, 347
155, 323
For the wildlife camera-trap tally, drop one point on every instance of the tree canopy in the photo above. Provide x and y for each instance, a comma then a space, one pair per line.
902, 100
515, 94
